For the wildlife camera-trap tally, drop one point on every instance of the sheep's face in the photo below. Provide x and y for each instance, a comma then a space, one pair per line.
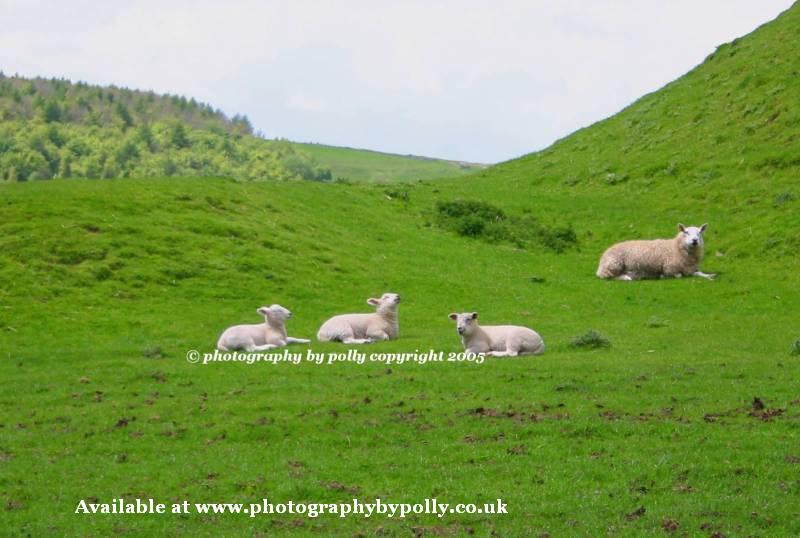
275, 313
465, 322
692, 236
387, 301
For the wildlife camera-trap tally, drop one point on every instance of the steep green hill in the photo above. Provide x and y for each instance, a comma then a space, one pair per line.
731, 121
687, 423
379, 167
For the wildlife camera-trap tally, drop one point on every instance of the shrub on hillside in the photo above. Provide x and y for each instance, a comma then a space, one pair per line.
590, 340
481, 220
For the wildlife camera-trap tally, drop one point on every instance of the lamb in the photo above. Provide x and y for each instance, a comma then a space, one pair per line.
268, 335
657, 258
496, 340
364, 328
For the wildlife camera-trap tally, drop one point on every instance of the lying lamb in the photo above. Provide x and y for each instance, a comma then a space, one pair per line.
657, 258
261, 337
496, 340
364, 328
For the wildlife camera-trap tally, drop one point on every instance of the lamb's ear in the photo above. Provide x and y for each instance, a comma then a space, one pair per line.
263, 310
373, 301
681, 227
453, 316
474, 315
703, 228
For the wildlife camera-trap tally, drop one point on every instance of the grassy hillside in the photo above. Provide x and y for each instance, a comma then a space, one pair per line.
378, 167
730, 122
112, 283
687, 423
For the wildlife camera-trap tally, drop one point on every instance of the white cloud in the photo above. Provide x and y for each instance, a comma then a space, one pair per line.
470, 80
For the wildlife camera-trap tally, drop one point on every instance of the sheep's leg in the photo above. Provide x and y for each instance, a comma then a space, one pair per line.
265, 347
375, 336
291, 340
709, 276
625, 276
351, 340
505, 353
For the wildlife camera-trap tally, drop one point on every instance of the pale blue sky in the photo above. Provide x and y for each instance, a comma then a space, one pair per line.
479, 81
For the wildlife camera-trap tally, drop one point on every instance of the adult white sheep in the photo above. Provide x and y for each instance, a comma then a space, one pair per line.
262, 336
496, 340
364, 328
656, 258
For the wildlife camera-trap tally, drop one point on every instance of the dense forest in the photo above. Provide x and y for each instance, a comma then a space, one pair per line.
52, 128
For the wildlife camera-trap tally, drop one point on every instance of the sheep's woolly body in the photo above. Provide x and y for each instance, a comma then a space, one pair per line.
240, 336
359, 326
503, 339
496, 340
363, 328
650, 259
261, 336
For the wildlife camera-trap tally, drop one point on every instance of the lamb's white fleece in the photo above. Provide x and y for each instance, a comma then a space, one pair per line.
262, 336
496, 340
364, 328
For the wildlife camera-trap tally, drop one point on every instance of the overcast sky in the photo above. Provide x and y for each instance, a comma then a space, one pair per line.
480, 81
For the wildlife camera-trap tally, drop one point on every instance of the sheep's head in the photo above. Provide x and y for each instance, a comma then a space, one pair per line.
691, 237
465, 322
275, 313
387, 303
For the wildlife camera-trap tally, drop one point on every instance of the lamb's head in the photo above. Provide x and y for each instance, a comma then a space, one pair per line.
275, 314
466, 322
691, 237
387, 304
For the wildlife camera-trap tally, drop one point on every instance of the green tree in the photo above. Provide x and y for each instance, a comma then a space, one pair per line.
65, 165
124, 115
144, 135
50, 111
125, 153
178, 136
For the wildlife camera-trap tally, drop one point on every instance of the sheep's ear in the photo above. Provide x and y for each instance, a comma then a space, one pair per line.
703, 228
263, 310
453, 316
373, 301
681, 227
474, 315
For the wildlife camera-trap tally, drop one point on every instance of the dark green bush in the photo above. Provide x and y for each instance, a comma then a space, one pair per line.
590, 340
470, 226
465, 208
481, 220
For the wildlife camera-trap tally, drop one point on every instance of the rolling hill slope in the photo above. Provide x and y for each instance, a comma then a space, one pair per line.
734, 117
688, 421
379, 167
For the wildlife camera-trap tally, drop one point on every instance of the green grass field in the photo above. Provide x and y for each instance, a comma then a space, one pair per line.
107, 285
110, 283
378, 167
